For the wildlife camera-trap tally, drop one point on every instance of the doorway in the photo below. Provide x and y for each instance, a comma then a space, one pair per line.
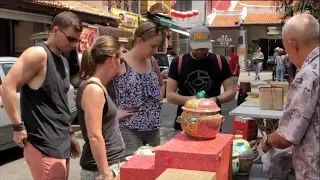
264, 45
273, 43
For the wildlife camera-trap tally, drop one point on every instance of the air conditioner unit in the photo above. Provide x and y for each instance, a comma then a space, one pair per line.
274, 30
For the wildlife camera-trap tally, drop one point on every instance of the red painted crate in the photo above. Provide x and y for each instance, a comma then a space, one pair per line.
182, 152
246, 127
139, 167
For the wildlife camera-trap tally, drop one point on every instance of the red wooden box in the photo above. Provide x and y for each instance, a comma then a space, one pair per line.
182, 152
245, 127
139, 167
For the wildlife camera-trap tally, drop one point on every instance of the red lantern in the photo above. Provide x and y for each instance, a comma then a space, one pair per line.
195, 12
184, 15
178, 14
189, 14
172, 3
173, 13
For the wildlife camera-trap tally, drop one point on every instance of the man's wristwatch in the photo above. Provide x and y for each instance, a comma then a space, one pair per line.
18, 127
217, 100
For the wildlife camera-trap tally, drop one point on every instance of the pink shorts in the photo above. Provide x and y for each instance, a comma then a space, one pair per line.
43, 167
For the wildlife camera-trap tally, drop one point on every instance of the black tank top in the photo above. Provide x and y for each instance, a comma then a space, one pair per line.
45, 111
110, 130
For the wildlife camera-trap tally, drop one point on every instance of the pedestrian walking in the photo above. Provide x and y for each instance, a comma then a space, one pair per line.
42, 73
139, 87
197, 71
103, 150
234, 65
257, 62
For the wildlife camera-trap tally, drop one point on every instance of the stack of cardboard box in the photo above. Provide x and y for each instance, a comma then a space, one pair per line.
273, 96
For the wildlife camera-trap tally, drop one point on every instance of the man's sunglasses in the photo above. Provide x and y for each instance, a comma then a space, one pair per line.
70, 39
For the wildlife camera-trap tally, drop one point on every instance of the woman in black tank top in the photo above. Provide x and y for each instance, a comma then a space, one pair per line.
104, 147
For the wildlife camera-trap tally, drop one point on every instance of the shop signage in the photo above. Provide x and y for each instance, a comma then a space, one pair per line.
224, 40
274, 30
128, 20
88, 35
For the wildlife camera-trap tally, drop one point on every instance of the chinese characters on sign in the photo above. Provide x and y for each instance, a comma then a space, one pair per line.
224, 40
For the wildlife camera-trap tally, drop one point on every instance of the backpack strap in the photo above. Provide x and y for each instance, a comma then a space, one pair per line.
219, 61
179, 64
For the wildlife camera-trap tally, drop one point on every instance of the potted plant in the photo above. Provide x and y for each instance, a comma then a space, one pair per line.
251, 48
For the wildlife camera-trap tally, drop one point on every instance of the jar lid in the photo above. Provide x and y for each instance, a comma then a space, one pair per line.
201, 104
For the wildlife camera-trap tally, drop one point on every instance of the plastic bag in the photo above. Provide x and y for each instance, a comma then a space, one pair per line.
145, 150
277, 163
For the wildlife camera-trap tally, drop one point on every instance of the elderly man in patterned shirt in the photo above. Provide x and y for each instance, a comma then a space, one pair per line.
299, 125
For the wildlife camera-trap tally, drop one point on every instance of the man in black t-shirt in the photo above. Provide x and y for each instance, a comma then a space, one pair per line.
199, 70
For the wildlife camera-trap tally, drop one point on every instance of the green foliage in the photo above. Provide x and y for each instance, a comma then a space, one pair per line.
251, 47
291, 7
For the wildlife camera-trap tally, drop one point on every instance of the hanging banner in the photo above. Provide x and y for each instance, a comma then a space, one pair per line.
88, 35
128, 21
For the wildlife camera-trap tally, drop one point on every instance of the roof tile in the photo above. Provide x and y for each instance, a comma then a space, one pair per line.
74, 6
258, 3
225, 21
263, 18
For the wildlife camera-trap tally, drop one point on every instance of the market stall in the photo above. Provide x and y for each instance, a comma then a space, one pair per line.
199, 152
265, 108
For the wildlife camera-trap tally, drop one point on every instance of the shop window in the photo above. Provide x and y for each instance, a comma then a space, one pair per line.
240, 39
110, 4
183, 5
119, 4
126, 5
134, 6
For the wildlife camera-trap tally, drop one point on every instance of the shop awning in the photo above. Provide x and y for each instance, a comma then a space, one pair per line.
112, 31
180, 31
166, 21
39, 36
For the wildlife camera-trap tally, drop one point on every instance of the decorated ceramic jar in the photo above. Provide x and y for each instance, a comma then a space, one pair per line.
200, 118
245, 157
239, 138
235, 163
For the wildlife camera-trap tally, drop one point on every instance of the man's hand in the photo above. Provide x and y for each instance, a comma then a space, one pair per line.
234, 73
213, 99
75, 147
264, 145
20, 138
123, 113
108, 177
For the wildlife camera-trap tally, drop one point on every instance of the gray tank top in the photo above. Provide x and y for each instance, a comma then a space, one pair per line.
110, 129
45, 111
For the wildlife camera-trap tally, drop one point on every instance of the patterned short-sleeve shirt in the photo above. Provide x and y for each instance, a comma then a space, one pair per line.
301, 118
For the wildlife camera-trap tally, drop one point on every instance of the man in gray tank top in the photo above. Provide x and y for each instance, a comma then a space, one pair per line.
43, 129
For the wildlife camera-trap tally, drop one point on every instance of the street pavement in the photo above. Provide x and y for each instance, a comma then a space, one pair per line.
14, 167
